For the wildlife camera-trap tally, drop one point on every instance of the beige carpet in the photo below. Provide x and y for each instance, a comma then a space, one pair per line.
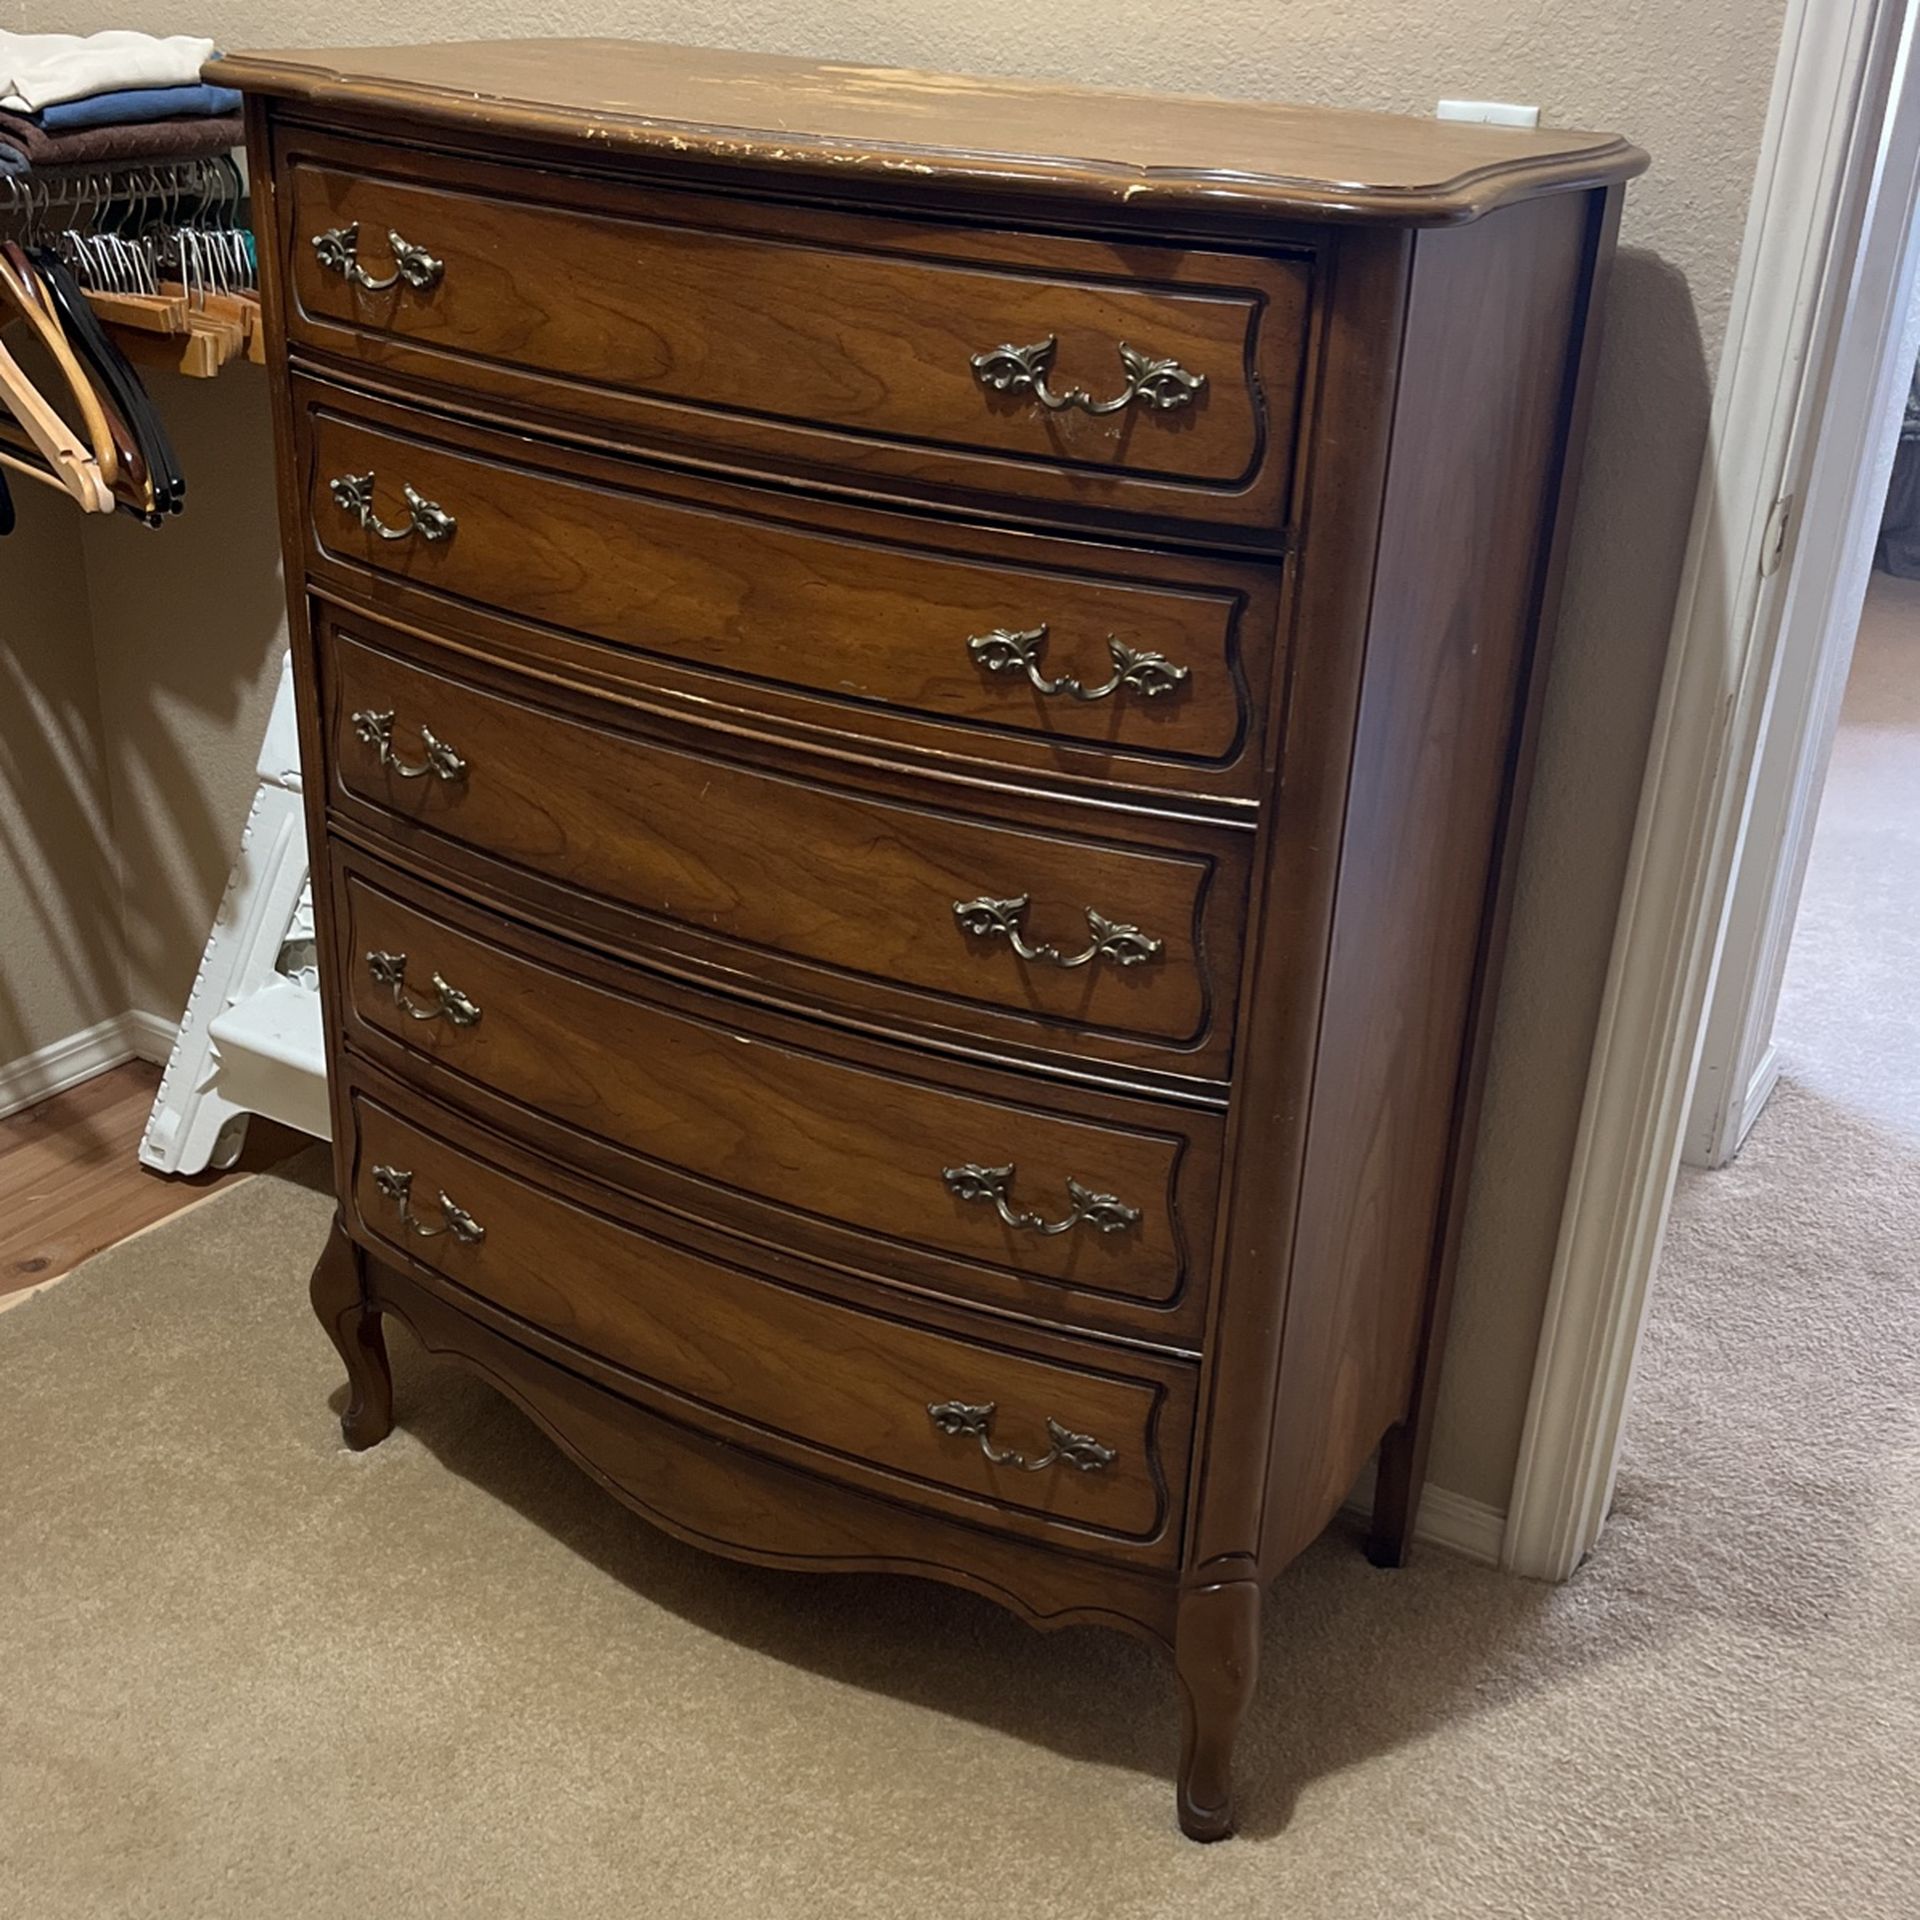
1849, 1023
246, 1674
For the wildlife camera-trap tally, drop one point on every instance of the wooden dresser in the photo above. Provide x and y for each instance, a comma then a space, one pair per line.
916, 695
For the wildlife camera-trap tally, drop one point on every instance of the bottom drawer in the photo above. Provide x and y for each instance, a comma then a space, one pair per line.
1063, 1438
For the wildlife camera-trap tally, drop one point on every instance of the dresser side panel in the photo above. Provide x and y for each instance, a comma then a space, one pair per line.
1481, 436
269, 214
1348, 411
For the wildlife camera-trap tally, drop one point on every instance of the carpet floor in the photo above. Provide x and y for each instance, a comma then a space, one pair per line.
246, 1675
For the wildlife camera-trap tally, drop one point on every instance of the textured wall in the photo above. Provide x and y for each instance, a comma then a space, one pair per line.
1689, 83
61, 968
189, 625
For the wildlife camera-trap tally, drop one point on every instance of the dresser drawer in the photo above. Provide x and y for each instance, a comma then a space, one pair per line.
754, 1129
854, 1393
1110, 655
1081, 944
938, 357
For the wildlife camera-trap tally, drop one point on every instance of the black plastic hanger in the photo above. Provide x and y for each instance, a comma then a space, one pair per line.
117, 377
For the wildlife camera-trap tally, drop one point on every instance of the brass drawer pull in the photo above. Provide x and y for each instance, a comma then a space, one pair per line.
1125, 946
376, 729
339, 252
1161, 385
1071, 1449
1007, 651
449, 1003
397, 1184
353, 493
1105, 1211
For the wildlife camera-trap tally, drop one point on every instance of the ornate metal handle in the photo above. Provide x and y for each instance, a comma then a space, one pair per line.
1125, 946
1070, 1449
449, 1003
376, 729
1105, 1211
339, 252
353, 492
1005, 651
1161, 385
397, 1184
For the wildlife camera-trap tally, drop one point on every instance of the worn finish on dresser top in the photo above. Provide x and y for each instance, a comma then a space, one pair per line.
917, 694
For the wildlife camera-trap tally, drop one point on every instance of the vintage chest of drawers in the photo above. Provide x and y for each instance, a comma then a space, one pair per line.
916, 696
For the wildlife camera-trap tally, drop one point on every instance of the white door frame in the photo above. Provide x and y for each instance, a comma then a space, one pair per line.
1839, 159
1846, 494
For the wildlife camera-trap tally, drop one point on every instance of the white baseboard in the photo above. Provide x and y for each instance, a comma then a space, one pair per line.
1448, 1520
151, 1036
1766, 1076
66, 1063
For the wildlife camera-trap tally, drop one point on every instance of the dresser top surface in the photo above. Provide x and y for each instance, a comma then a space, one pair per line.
1098, 145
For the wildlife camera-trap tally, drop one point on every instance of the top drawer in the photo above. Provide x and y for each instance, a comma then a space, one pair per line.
815, 341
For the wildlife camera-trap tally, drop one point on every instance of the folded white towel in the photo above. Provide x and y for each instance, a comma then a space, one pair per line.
41, 69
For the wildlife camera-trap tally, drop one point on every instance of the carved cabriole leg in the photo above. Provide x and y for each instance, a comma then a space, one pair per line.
1217, 1653
339, 1293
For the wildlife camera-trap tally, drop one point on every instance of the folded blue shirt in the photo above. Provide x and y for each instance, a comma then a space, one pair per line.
138, 105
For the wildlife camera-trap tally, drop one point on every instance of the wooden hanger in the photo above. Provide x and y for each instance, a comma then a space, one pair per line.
20, 285
74, 470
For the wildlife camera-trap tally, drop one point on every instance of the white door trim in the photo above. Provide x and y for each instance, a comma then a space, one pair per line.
1873, 361
1821, 149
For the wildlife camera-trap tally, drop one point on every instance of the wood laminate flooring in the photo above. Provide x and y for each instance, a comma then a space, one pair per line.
71, 1182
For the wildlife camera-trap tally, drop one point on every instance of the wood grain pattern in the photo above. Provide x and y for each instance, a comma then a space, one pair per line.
1291, 910
868, 128
728, 1500
737, 338
1457, 580
1403, 1452
71, 1182
743, 324
725, 776
849, 1390
746, 592
750, 1117
865, 887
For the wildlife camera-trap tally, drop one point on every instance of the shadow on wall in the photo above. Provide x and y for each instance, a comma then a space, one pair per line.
61, 963
189, 628
1652, 396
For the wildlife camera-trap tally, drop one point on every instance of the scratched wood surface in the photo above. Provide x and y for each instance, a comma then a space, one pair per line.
839, 117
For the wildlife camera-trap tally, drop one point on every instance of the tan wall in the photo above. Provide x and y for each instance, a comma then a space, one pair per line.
61, 969
189, 626
1688, 82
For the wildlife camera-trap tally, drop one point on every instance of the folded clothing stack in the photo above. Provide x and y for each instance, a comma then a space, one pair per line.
68, 99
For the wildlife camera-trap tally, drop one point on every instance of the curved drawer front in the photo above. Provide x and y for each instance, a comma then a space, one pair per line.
1155, 379
856, 1390
1099, 1208
904, 895
1148, 664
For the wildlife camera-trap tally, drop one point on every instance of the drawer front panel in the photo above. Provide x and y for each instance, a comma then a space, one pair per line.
876, 888
838, 340
879, 1151
1131, 665
851, 1387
